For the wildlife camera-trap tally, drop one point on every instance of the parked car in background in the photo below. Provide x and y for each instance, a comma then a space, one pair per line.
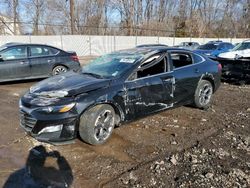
188, 45
237, 70
28, 61
236, 63
242, 50
114, 88
214, 48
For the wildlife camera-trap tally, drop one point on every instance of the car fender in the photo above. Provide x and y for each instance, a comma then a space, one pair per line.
209, 77
118, 110
104, 99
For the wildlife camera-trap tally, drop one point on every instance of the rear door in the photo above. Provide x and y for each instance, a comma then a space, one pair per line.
42, 59
14, 63
187, 71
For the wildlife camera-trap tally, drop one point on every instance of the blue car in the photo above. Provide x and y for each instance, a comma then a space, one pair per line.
214, 48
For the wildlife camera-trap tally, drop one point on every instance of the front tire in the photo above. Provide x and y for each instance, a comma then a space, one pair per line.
97, 124
203, 94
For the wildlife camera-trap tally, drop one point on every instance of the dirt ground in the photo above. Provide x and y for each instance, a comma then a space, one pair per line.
182, 147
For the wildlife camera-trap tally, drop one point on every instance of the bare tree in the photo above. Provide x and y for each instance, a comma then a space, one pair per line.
72, 16
200, 18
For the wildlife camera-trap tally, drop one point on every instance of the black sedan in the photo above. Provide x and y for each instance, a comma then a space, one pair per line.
115, 88
28, 61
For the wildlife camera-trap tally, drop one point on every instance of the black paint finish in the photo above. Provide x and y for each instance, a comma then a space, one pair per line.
130, 95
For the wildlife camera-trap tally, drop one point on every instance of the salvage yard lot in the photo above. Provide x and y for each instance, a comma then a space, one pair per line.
184, 147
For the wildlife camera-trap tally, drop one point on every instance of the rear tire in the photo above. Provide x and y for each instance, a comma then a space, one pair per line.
203, 94
97, 124
59, 70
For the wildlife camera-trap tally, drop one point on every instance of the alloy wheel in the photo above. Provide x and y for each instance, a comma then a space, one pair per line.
104, 125
205, 94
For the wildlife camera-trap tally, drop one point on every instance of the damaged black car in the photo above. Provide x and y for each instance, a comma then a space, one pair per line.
116, 88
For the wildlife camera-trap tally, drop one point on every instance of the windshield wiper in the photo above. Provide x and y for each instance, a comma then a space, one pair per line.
93, 74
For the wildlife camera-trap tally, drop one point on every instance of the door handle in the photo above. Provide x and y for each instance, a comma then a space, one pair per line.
167, 79
50, 60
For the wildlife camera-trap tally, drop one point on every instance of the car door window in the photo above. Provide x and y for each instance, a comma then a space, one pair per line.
36, 51
180, 59
19, 52
152, 66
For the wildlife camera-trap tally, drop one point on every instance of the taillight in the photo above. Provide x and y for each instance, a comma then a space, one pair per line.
74, 58
219, 67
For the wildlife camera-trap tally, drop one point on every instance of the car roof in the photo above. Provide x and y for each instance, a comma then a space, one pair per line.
149, 45
11, 44
215, 41
148, 50
161, 48
189, 42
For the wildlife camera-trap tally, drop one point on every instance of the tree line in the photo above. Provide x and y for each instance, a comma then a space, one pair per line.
180, 18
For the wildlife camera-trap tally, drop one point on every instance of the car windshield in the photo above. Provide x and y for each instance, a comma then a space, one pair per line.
111, 65
242, 46
208, 47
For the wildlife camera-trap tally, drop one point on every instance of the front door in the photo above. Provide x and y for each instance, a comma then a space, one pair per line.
155, 91
14, 63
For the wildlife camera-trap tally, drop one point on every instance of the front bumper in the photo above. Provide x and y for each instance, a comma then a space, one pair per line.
50, 128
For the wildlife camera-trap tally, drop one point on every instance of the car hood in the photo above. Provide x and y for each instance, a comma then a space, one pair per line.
68, 84
235, 54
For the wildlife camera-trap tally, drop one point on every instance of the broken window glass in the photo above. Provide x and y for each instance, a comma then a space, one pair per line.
152, 66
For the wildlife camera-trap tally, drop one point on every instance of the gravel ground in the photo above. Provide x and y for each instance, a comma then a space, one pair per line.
181, 147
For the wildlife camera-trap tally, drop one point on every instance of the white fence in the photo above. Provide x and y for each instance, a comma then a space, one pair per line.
92, 45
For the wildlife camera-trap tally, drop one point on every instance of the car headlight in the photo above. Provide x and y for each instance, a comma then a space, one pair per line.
58, 109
